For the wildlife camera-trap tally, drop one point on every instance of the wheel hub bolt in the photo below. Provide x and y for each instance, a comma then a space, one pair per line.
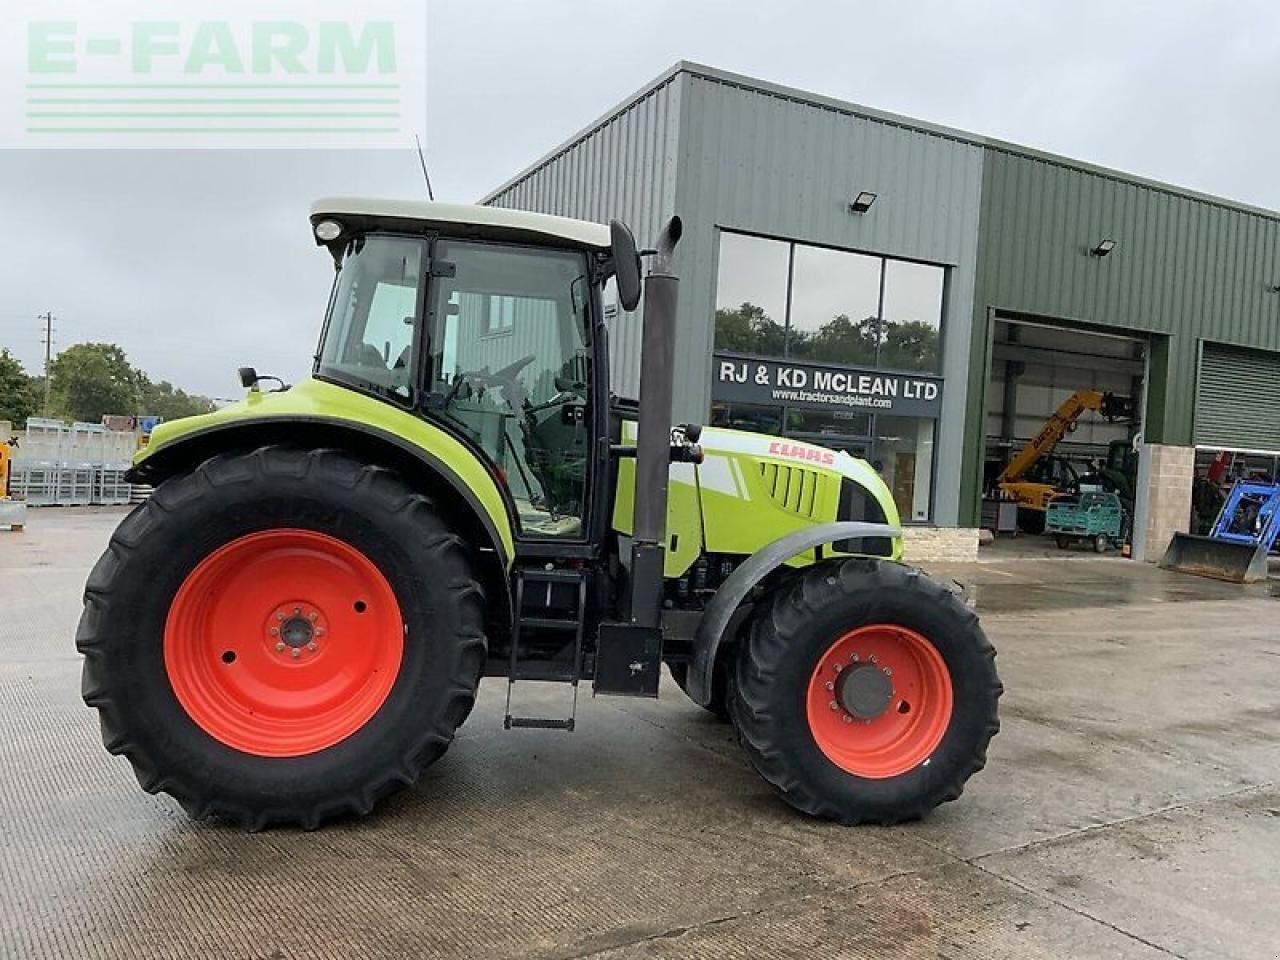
280, 647
275, 631
295, 653
834, 705
312, 615
312, 646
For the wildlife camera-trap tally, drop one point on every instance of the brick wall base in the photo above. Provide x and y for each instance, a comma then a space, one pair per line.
1168, 496
939, 544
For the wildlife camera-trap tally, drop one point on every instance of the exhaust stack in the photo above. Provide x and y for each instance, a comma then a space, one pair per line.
653, 442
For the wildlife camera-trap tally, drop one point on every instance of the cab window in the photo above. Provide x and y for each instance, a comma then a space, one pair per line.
369, 337
509, 367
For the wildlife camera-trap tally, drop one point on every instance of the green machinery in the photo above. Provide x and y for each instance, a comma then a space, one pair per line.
296, 622
1092, 517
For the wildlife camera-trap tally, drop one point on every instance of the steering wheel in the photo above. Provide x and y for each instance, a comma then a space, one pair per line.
512, 390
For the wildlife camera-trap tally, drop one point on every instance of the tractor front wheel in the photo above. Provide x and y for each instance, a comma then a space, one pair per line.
282, 636
865, 692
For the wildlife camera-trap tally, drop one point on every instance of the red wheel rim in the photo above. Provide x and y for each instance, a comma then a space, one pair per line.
283, 643
916, 708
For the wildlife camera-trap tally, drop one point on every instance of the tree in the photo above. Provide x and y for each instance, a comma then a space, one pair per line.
840, 340
909, 345
18, 396
89, 380
163, 399
750, 330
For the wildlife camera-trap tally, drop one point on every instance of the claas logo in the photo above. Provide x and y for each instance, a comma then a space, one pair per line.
797, 452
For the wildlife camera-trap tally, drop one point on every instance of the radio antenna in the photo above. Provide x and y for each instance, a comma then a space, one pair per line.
422, 159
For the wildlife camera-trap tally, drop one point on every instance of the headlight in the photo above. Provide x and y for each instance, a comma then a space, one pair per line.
328, 230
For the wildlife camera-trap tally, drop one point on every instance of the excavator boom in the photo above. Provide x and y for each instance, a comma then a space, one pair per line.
1059, 423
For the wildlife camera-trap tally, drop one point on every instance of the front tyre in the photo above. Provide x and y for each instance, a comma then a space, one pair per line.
282, 636
865, 692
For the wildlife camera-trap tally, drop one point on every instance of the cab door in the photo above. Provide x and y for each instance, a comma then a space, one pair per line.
509, 367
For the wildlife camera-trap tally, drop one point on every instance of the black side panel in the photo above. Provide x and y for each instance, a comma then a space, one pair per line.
857, 504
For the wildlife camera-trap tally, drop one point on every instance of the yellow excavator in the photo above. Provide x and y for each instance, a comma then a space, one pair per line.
1033, 490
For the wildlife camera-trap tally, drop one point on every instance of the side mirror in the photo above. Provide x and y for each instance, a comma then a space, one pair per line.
626, 264
248, 377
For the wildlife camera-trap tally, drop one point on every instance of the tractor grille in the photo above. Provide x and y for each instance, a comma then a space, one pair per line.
792, 488
857, 503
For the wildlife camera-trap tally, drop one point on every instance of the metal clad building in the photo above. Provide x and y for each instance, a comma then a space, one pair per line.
623, 166
786, 280
1191, 271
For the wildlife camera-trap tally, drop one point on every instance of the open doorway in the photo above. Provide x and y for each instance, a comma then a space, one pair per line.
1065, 405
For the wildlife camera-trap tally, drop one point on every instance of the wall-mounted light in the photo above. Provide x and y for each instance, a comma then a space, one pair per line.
1103, 248
862, 202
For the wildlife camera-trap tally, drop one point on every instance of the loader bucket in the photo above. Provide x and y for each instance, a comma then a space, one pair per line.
1219, 559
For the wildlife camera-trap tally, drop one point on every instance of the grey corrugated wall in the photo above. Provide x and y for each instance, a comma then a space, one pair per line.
759, 159
728, 152
623, 167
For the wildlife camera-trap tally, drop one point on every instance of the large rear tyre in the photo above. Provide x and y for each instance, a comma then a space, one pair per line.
865, 692
280, 637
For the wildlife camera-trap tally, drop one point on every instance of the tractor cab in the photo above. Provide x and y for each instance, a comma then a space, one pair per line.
488, 329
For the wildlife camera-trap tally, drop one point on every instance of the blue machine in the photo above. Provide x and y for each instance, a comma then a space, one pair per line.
1247, 529
1251, 515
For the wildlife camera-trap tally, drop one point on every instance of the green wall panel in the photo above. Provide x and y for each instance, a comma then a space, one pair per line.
1185, 267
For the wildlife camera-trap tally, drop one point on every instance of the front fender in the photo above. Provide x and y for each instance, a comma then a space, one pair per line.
736, 587
324, 414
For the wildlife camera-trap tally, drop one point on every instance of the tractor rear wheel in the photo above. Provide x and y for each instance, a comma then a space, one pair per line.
282, 636
865, 692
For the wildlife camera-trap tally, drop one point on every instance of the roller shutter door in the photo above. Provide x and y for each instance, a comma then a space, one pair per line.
1238, 399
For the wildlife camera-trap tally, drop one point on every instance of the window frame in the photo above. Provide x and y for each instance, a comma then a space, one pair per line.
592, 331
335, 375
873, 436
792, 244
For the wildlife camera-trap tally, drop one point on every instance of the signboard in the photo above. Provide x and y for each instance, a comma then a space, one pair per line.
818, 386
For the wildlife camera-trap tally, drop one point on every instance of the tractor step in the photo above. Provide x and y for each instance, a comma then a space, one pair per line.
538, 723
547, 602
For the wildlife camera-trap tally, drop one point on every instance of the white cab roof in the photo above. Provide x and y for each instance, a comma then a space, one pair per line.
496, 219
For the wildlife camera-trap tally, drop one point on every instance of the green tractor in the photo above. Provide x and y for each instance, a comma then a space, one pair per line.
296, 622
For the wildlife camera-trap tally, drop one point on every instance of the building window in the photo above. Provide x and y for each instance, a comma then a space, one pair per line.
835, 306
747, 416
836, 348
500, 316
780, 299
903, 456
912, 315
751, 295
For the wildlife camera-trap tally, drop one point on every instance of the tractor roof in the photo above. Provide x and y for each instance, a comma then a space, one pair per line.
494, 223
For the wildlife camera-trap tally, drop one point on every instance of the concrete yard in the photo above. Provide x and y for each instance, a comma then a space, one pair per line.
1130, 809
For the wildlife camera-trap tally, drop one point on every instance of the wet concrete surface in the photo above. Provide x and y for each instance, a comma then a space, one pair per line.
1130, 809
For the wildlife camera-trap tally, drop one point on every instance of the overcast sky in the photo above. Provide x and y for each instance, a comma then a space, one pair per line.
197, 262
